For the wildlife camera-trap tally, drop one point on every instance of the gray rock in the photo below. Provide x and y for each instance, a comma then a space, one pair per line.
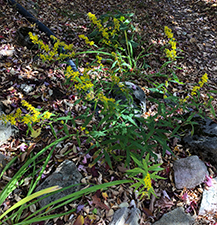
209, 200
189, 172
5, 132
138, 96
204, 140
5, 129
126, 215
134, 216
65, 175
204, 146
26, 88
176, 217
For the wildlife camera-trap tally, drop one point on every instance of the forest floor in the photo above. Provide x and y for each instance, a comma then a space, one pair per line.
194, 26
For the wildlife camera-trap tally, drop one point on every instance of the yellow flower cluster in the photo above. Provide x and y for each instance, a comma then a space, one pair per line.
117, 26
84, 129
52, 54
147, 181
99, 60
87, 41
103, 30
30, 118
33, 117
11, 117
203, 80
171, 54
104, 99
72, 75
168, 32
83, 82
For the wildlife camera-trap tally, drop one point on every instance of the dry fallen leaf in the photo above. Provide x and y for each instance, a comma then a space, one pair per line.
104, 195
35, 133
79, 221
97, 202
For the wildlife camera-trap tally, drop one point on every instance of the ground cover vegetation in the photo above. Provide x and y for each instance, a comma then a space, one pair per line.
116, 49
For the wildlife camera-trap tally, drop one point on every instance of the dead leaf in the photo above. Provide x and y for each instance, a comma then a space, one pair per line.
35, 133
104, 195
97, 202
79, 221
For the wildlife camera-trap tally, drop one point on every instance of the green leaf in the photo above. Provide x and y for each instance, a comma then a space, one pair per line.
11, 185
65, 128
133, 156
52, 130
107, 158
129, 118
134, 171
30, 197
165, 64
212, 91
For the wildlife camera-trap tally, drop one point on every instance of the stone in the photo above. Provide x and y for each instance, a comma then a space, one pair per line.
6, 130
209, 200
204, 140
65, 175
177, 216
138, 96
26, 88
126, 215
134, 216
189, 172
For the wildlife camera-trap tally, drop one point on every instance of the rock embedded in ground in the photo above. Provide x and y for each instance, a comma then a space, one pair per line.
204, 140
138, 95
65, 175
176, 217
26, 88
189, 172
209, 200
6, 130
126, 215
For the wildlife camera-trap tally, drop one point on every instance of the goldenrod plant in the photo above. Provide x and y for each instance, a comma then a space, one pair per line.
171, 54
148, 174
32, 117
116, 136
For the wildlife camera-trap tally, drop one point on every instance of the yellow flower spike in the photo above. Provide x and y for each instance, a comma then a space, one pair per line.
34, 38
91, 43
47, 115
147, 181
53, 37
